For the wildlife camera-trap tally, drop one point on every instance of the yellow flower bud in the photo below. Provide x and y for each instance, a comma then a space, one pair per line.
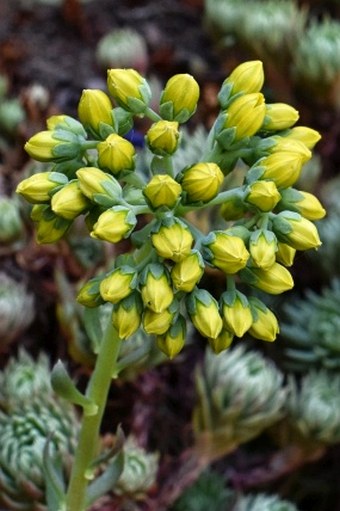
118, 284
156, 291
236, 313
274, 281
89, 294
204, 314
285, 254
307, 136
172, 342
96, 184
302, 202
222, 341
246, 113
265, 325
157, 322
114, 224
188, 272
38, 187
116, 154
69, 202
94, 108
162, 137
54, 120
50, 227
284, 168
126, 315
247, 77
263, 194
279, 116
162, 190
225, 251
290, 145
173, 240
262, 248
129, 89
179, 98
296, 231
41, 145
202, 181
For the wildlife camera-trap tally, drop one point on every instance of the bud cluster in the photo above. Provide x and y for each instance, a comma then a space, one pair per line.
95, 172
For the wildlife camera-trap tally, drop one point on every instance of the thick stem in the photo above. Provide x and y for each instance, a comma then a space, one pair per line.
97, 391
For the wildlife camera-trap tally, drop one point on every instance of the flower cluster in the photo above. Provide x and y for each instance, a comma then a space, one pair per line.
156, 284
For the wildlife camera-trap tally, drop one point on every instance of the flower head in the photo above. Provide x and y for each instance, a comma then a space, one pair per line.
179, 98
129, 89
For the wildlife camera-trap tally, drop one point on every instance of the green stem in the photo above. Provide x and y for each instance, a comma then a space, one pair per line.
151, 114
89, 144
219, 199
97, 391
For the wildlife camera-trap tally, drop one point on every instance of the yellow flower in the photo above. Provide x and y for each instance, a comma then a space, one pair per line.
290, 145
302, 202
274, 280
127, 315
296, 231
156, 291
279, 116
116, 154
50, 227
157, 322
262, 248
263, 194
118, 284
246, 114
285, 254
222, 341
129, 89
162, 190
89, 294
265, 325
114, 224
173, 240
284, 168
162, 137
38, 187
172, 342
307, 136
247, 78
69, 202
95, 183
204, 314
202, 181
187, 273
94, 108
179, 98
236, 313
41, 146
225, 251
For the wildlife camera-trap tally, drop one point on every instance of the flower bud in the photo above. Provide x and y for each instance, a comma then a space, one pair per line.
274, 281
246, 78
179, 98
118, 284
162, 190
234, 207
284, 168
173, 240
89, 294
279, 116
162, 137
99, 186
302, 202
290, 145
188, 272
116, 154
265, 325
60, 124
129, 89
114, 224
285, 254
236, 313
156, 291
222, 341
225, 251
38, 187
172, 342
157, 322
263, 194
246, 114
127, 314
204, 314
201, 182
50, 227
307, 136
262, 248
49, 146
69, 202
296, 231
94, 108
